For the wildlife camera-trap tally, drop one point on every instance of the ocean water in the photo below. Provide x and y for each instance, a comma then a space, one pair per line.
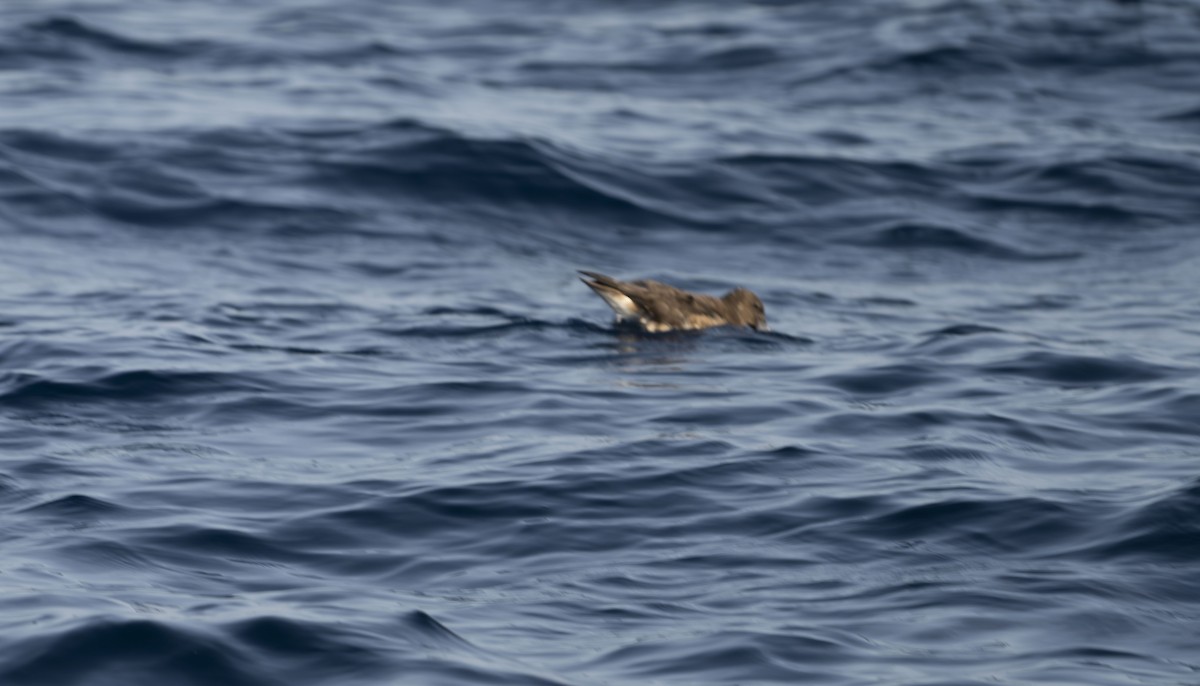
298, 385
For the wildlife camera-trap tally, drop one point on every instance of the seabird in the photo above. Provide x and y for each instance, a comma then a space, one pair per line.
657, 307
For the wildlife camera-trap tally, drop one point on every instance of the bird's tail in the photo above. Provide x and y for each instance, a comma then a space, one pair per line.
610, 289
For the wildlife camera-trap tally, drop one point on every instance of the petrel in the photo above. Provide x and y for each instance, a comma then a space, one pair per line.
657, 307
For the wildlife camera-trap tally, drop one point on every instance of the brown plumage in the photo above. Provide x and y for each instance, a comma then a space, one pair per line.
658, 307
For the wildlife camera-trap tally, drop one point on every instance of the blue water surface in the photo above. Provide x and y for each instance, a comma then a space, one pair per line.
298, 386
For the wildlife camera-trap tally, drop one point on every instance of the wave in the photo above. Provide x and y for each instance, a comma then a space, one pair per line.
131, 650
260, 650
334, 180
911, 235
28, 390
1166, 529
1087, 530
1080, 370
75, 40
76, 508
671, 62
71, 38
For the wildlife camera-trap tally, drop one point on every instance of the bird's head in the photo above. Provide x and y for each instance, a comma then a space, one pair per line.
746, 309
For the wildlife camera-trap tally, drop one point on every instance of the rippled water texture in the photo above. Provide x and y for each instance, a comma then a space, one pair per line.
298, 386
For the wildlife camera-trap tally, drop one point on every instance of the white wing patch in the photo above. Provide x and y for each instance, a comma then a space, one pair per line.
619, 302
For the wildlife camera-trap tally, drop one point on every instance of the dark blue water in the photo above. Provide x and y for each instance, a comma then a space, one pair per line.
298, 386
